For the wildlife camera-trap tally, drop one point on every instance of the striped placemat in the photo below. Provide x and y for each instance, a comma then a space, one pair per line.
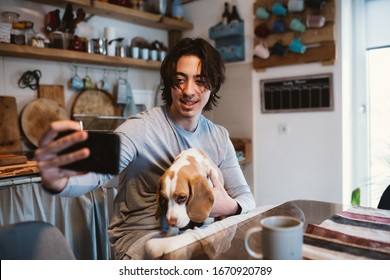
358, 233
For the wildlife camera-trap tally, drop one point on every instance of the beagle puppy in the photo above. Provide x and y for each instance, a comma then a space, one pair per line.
185, 192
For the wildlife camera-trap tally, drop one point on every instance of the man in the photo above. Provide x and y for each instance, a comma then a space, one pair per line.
192, 74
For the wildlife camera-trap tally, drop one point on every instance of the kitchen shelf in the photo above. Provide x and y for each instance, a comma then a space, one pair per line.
74, 57
125, 14
104, 9
243, 145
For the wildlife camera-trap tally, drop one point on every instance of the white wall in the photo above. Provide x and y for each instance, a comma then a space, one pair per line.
307, 161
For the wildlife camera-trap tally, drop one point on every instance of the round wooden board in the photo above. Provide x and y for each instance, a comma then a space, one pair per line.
95, 102
36, 117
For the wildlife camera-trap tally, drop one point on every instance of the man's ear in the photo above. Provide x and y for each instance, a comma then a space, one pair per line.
201, 199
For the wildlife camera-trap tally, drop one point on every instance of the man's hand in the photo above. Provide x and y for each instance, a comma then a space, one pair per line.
55, 178
224, 205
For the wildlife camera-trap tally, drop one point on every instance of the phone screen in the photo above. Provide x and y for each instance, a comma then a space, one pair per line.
105, 152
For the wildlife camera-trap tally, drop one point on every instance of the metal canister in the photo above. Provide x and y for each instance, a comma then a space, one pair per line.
99, 46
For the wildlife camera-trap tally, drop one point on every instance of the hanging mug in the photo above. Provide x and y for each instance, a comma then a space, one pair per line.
88, 83
261, 50
297, 25
297, 46
262, 13
262, 31
76, 82
278, 9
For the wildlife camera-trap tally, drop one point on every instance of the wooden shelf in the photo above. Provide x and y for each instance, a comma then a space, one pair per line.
74, 57
95, 7
125, 14
243, 145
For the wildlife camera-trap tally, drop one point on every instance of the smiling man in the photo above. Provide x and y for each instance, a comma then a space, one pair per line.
192, 74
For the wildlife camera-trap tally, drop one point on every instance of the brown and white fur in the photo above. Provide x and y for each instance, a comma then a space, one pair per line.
185, 189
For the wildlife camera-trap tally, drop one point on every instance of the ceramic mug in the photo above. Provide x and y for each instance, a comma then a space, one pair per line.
88, 83
262, 30
281, 238
316, 4
315, 21
296, 5
297, 25
262, 13
278, 26
297, 46
279, 49
261, 50
278, 9
76, 82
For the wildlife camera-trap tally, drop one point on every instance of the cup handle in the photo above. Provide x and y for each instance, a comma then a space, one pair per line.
248, 234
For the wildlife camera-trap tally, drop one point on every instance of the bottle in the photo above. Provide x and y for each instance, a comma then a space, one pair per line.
234, 16
226, 14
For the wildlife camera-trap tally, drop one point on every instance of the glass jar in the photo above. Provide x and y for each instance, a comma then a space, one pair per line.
9, 17
28, 32
18, 36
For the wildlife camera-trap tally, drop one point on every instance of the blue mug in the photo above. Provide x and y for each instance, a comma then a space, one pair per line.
279, 10
278, 26
297, 46
279, 49
76, 82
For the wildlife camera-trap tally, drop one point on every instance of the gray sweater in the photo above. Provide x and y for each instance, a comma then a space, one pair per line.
150, 142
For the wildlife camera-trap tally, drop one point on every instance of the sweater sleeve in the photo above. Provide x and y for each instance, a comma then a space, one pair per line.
235, 182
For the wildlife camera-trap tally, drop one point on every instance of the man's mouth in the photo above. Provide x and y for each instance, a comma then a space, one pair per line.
188, 103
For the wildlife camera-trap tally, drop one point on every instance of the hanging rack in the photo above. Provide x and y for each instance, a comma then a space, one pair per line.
104, 69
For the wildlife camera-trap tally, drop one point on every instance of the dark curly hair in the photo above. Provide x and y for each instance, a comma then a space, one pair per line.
213, 68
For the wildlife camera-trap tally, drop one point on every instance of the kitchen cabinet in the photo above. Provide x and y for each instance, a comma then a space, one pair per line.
174, 28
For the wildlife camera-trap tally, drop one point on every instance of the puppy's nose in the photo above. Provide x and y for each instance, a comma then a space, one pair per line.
172, 222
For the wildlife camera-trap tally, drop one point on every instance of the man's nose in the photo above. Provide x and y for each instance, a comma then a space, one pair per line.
189, 88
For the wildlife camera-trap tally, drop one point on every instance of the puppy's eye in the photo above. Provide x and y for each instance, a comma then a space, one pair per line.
181, 199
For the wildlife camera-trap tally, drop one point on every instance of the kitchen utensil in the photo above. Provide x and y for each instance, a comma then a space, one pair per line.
37, 116
95, 102
80, 16
10, 139
53, 92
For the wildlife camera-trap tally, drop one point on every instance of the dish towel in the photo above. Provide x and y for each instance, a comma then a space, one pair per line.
357, 233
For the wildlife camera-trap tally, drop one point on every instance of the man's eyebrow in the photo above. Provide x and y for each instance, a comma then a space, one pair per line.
185, 75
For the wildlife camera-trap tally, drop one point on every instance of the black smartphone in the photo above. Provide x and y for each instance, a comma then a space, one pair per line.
105, 152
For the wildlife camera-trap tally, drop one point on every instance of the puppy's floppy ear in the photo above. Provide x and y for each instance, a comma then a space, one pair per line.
201, 199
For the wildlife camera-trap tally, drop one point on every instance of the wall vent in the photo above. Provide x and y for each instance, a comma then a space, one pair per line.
297, 94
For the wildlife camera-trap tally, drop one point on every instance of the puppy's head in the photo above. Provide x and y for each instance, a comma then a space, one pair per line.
184, 197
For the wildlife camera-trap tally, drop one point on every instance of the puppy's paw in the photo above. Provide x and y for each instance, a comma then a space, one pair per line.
154, 248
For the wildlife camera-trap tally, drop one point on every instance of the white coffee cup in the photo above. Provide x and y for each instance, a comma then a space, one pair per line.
261, 50
281, 238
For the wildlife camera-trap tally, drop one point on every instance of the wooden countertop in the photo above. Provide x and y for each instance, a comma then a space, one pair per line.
28, 168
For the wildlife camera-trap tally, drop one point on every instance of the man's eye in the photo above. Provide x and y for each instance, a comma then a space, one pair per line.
180, 80
181, 199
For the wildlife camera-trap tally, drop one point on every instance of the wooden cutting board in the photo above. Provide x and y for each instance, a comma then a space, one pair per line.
10, 159
28, 168
37, 116
53, 92
10, 140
